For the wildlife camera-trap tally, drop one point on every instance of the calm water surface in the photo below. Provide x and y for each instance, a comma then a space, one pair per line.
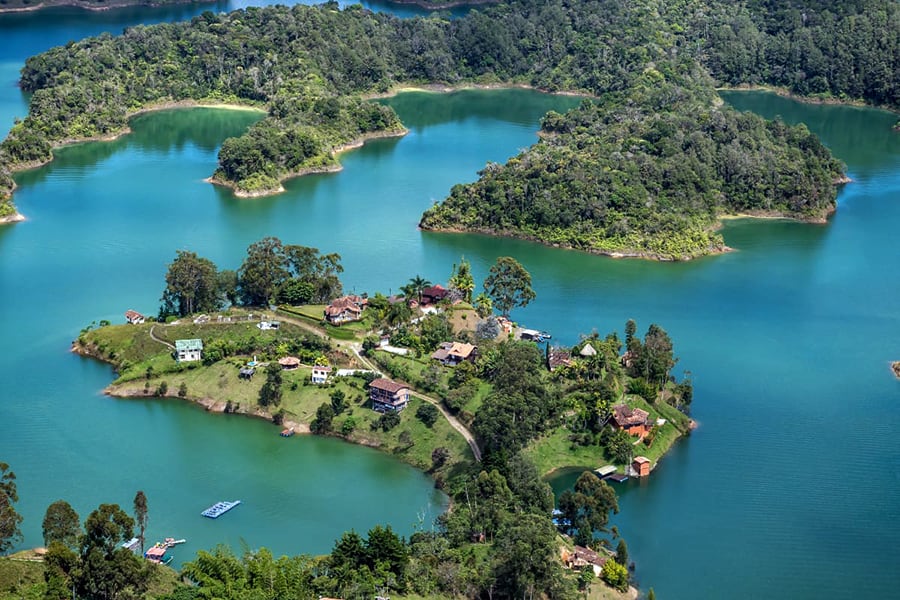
789, 489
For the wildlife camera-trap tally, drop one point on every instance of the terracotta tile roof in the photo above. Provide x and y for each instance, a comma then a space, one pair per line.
289, 361
641, 460
625, 416
589, 556
133, 314
559, 357
389, 386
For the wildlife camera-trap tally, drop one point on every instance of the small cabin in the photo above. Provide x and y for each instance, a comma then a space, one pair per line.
188, 350
641, 466
133, 317
246, 373
289, 363
634, 421
320, 374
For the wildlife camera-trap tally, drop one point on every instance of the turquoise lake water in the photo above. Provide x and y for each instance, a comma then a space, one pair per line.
789, 489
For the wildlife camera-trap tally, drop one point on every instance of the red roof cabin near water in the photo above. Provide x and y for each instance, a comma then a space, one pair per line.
386, 394
434, 294
133, 317
345, 309
632, 420
641, 466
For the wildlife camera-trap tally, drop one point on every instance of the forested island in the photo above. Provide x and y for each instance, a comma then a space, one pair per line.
652, 185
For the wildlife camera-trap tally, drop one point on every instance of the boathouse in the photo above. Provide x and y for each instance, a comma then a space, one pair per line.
386, 394
453, 353
188, 350
633, 421
320, 374
641, 466
133, 317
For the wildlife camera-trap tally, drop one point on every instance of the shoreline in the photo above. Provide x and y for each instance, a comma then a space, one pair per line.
786, 93
131, 390
444, 88
319, 170
617, 254
114, 5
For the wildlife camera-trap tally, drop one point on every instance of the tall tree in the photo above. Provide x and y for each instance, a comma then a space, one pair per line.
461, 279
191, 285
106, 570
140, 515
509, 285
10, 535
263, 272
416, 285
61, 524
589, 503
526, 555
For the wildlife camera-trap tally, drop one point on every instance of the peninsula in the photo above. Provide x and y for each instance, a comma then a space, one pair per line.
643, 168
310, 367
434, 376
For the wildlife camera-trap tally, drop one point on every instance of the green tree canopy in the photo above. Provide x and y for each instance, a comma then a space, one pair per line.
509, 285
10, 534
191, 285
61, 524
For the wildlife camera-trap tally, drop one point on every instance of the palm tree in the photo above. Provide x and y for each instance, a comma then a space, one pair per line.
484, 306
462, 279
416, 285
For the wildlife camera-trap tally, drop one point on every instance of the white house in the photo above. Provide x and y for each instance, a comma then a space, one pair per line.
188, 350
320, 374
133, 317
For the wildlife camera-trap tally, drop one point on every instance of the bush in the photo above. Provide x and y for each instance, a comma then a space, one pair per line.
615, 575
428, 414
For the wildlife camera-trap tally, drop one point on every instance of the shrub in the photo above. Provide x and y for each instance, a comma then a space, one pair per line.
428, 414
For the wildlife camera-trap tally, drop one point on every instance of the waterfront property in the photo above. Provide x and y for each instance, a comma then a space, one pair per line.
345, 309
641, 466
320, 374
133, 317
188, 350
453, 353
434, 294
558, 357
634, 421
386, 394
582, 558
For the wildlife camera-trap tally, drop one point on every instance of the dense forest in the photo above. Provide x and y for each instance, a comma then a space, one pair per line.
310, 67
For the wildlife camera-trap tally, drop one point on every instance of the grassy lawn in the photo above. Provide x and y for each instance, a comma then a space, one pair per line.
22, 578
555, 450
411, 440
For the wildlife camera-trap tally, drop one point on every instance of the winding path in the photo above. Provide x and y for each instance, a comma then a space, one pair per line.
357, 347
156, 339
454, 422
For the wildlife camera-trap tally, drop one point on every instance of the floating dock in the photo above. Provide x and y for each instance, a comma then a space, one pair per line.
219, 508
